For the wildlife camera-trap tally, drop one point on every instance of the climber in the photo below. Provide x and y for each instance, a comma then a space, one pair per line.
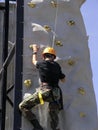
50, 73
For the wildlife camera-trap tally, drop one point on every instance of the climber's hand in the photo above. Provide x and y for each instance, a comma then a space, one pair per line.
34, 47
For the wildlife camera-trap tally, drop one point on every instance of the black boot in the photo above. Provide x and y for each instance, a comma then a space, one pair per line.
38, 129
36, 124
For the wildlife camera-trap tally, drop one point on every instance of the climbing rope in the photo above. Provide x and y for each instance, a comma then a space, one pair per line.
55, 25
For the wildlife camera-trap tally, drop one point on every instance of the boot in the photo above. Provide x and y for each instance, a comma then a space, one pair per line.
36, 124
38, 129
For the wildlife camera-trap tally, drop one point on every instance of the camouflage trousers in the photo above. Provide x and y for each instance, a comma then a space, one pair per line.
53, 96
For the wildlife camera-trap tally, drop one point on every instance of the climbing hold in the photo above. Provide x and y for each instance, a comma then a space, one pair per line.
58, 43
71, 22
71, 62
31, 4
81, 91
40, 98
47, 28
30, 46
53, 3
27, 82
82, 114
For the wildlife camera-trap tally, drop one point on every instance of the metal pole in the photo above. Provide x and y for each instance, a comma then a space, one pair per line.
18, 64
5, 53
8, 60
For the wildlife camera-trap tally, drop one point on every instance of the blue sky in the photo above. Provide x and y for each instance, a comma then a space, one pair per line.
90, 15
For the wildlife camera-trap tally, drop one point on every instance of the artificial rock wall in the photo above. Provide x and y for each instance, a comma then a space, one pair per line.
56, 23
59, 23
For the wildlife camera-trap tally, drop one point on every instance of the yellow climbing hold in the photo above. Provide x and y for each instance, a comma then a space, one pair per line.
81, 91
31, 46
71, 22
82, 114
53, 3
40, 98
47, 28
32, 4
71, 62
27, 82
58, 43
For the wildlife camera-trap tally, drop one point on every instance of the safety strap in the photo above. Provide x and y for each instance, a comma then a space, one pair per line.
40, 98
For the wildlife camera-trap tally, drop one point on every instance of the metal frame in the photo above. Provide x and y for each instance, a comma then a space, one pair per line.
4, 73
18, 51
18, 64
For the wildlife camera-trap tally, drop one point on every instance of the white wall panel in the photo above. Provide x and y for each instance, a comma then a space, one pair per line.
79, 100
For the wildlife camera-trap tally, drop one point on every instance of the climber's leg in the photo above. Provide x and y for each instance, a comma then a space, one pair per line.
53, 112
26, 105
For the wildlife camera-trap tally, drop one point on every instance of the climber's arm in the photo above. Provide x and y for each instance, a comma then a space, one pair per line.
34, 55
34, 58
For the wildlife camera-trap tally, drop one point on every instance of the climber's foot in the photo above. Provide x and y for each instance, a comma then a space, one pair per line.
38, 129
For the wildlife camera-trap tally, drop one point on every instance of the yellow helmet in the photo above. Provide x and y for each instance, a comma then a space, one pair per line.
49, 50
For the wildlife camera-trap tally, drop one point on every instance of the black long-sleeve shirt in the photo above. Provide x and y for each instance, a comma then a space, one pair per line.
50, 72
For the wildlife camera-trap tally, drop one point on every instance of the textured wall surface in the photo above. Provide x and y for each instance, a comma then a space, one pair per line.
56, 23
59, 24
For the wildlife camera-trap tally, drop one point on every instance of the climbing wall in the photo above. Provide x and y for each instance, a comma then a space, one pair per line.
59, 23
